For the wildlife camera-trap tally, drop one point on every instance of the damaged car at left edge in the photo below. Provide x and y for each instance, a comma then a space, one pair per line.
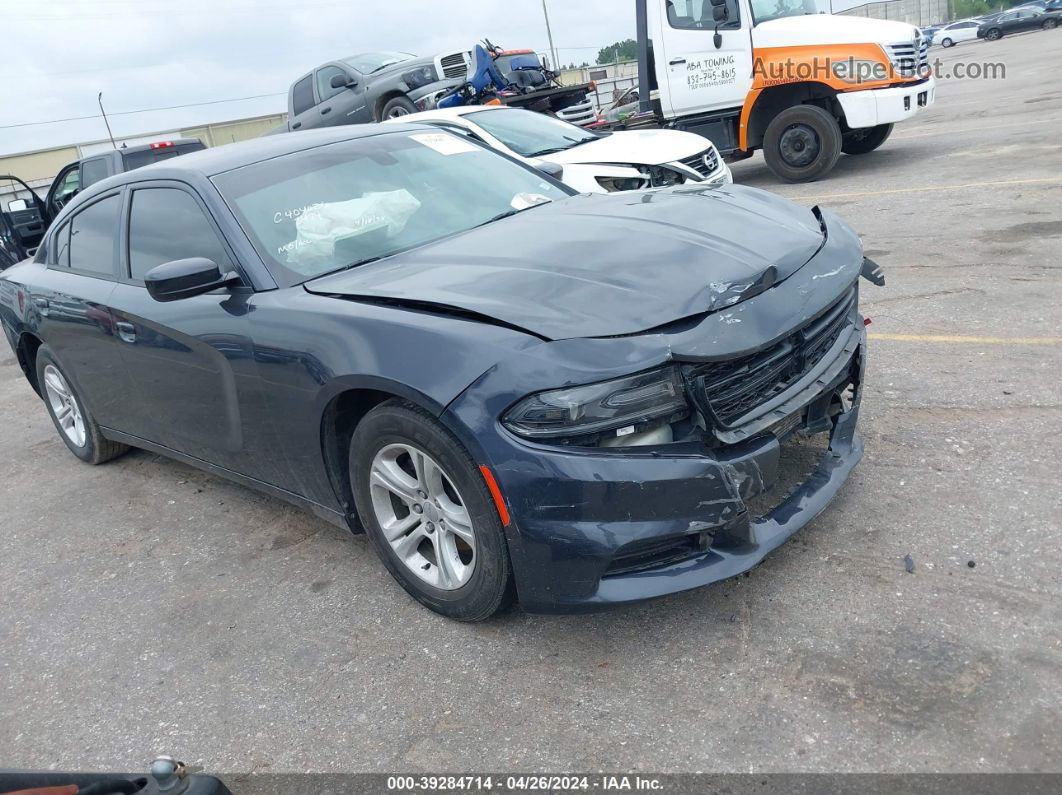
413, 335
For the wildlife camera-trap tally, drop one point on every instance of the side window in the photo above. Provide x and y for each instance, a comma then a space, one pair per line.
93, 171
302, 95
70, 185
93, 232
62, 246
697, 14
324, 79
167, 224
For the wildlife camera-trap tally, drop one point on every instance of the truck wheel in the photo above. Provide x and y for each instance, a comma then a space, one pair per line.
947, 42
859, 142
802, 143
397, 106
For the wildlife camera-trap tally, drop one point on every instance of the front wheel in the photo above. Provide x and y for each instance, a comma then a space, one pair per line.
1049, 24
429, 513
802, 143
75, 425
947, 42
397, 107
859, 142
994, 35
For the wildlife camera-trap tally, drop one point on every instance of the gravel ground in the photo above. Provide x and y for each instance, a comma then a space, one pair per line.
148, 607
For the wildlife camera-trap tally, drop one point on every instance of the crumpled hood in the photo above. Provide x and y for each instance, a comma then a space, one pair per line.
640, 147
601, 265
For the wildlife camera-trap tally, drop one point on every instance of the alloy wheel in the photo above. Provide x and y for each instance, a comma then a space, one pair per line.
397, 112
64, 406
422, 516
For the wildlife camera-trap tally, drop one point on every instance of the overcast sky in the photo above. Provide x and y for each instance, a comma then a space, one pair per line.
58, 54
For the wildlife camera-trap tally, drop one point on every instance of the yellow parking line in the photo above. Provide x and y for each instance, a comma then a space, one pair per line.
955, 338
1001, 183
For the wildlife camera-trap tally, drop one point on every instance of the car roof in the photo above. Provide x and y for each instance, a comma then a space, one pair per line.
218, 159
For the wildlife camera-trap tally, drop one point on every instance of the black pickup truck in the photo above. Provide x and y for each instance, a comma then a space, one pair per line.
23, 225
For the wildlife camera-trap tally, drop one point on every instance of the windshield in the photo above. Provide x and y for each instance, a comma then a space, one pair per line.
766, 10
369, 62
528, 133
331, 207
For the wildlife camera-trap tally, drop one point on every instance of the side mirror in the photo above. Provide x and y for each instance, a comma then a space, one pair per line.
719, 13
550, 169
341, 81
184, 278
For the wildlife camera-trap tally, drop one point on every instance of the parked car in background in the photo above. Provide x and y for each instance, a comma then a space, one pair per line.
593, 162
364, 88
1015, 22
27, 224
929, 33
1053, 7
957, 32
515, 390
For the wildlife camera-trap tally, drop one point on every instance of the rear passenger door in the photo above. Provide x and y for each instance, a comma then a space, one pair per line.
71, 299
303, 105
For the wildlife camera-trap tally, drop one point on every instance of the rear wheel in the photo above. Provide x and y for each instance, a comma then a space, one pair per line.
802, 143
859, 142
429, 513
396, 107
75, 425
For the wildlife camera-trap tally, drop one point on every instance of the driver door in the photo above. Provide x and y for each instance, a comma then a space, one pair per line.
64, 187
696, 76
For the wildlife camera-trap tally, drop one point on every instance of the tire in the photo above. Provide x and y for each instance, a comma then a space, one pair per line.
947, 43
1050, 24
477, 581
397, 106
81, 433
859, 142
802, 133
995, 34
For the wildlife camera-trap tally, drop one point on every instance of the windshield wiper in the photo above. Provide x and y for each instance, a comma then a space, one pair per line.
509, 214
550, 151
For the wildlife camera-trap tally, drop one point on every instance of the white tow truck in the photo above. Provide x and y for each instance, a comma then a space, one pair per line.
783, 76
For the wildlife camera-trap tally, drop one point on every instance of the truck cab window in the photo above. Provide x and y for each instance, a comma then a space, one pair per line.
302, 95
324, 81
92, 171
697, 14
68, 188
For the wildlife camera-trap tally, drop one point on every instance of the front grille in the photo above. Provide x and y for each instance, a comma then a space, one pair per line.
581, 114
454, 66
704, 163
737, 387
911, 58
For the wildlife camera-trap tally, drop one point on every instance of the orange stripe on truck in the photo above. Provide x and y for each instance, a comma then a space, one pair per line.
811, 63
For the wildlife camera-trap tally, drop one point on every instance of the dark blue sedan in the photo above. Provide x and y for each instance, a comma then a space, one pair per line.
517, 392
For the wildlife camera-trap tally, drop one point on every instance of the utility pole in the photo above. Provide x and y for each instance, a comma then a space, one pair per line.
99, 99
549, 33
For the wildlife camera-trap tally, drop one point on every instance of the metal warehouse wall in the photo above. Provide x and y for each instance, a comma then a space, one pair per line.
915, 12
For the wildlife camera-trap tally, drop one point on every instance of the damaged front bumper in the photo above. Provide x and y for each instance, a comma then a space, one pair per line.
593, 529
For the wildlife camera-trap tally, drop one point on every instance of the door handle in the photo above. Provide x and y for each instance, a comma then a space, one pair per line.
326, 110
676, 61
126, 331
41, 304
296, 125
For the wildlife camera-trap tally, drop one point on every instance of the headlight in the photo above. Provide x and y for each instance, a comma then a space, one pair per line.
625, 402
661, 176
420, 76
860, 71
613, 184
